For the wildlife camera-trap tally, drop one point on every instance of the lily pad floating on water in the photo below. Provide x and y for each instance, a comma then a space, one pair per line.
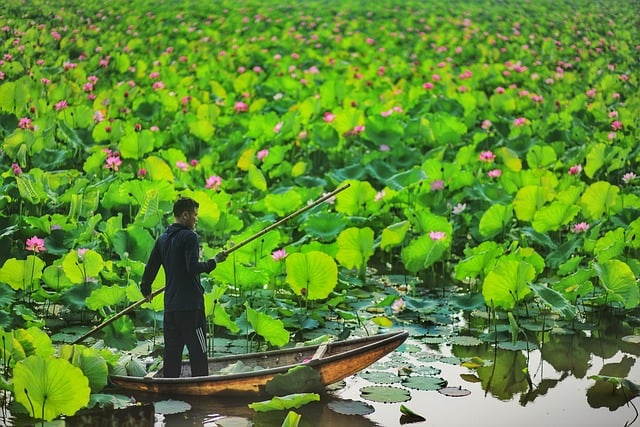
454, 391
465, 340
633, 339
385, 394
280, 403
379, 377
351, 407
168, 407
425, 383
517, 346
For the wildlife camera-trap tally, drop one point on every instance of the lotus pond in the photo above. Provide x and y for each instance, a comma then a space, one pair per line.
491, 155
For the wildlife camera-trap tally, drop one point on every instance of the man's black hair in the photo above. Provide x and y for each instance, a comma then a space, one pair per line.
184, 204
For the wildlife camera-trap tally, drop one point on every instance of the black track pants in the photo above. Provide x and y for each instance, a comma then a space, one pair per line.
185, 328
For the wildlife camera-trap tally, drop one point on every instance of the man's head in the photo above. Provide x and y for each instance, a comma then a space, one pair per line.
185, 211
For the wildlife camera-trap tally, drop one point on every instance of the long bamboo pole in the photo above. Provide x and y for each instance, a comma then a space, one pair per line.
225, 251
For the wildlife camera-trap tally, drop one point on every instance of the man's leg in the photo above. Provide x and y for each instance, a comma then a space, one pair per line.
173, 344
196, 340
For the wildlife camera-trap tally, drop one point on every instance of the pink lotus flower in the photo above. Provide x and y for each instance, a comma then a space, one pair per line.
142, 172
428, 85
591, 93
628, 177
81, 252
25, 123
487, 156
580, 227
240, 107
520, 121
437, 185
16, 169
398, 305
113, 161
182, 165
437, 235
494, 173
214, 182
379, 196
384, 148
278, 127
328, 117
575, 169
279, 255
158, 86
61, 105
616, 125
36, 244
262, 154
358, 129
486, 124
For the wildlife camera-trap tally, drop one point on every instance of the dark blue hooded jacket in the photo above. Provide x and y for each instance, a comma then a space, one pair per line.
177, 250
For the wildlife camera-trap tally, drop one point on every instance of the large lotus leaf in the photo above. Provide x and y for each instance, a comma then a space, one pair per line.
50, 387
554, 216
271, 329
135, 145
394, 234
21, 274
357, 199
478, 261
299, 379
120, 334
355, 247
313, 273
598, 199
325, 225
495, 219
105, 296
611, 245
426, 221
208, 212
93, 365
554, 300
150, 213
529, 199
240, 275
423, 252
79, 269
404, 179
541, 156
383, 130
507, 283
284, 203
34, 341
446, 129
158, 170
595, 159
576, 285
632, 234
280, 403
385, 394
617, 278
55, 278
256, 178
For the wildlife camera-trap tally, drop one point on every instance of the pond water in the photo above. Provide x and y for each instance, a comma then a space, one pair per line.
547, 386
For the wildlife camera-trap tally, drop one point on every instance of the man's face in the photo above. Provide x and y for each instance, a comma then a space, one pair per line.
191, 219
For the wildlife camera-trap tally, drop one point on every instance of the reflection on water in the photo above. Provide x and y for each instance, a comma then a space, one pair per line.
541, 382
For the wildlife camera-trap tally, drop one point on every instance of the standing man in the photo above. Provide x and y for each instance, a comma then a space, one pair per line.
177, 250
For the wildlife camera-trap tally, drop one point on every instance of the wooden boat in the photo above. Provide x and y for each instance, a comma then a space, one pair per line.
333, 361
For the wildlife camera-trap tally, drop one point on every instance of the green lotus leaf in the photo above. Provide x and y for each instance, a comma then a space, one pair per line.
507, 283
595, 159
554, 300
21, 273
325, 225
394, 235
385, 394
423, 252
49, 387
528, 200
598, 199
541, 156
446, 129
158, 170
30, 189
93, 365
406, 178
280, 403
355, 247
313, 273
120, 334
495, 220
357, 199
299, 379
383, 130
478, 261
105, 296
272, 330
611, 245
80, 268
215, 309
136, 144
284, 203
619, 281
424, 382
554, 216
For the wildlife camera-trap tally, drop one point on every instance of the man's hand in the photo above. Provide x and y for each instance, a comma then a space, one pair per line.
220, 257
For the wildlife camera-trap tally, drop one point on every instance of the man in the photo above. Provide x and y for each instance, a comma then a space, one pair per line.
177, 250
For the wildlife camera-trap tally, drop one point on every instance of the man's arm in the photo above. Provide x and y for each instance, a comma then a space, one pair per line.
151, 270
